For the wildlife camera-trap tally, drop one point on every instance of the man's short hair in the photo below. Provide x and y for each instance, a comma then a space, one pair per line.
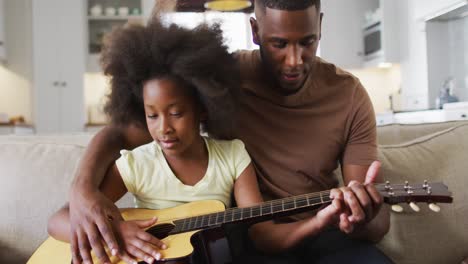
289, 5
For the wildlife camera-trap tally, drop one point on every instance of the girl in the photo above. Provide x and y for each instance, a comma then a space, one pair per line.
179, 83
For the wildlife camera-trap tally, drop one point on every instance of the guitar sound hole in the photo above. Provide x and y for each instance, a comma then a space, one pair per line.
160, 231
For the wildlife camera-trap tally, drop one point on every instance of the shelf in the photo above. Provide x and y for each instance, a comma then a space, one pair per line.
104, 18
96, 124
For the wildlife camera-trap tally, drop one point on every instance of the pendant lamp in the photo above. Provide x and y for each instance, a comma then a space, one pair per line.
227, 5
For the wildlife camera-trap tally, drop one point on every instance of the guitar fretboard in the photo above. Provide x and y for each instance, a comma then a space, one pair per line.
392, 194
265, 210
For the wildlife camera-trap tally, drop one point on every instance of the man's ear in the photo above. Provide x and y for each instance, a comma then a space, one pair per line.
254, 27
203, 115
320, 25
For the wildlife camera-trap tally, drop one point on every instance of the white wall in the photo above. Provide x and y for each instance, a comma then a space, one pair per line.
414, 72
448, 56
235, 25
96, 90
380, 84
14, 94
458, 53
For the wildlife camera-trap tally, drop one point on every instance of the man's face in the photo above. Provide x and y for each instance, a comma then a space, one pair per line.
288, 43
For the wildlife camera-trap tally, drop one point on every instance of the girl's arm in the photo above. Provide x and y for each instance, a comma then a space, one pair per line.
135, 240
273, 238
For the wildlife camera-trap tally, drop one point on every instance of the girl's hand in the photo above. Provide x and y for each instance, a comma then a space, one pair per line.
137, 242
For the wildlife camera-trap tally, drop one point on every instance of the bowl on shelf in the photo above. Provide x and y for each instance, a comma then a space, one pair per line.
110, 11
135, 11
123, 11
96, 10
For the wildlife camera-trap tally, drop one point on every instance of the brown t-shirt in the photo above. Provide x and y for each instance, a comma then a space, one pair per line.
296, 141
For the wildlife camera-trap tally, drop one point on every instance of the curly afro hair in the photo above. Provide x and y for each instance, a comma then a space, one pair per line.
288, 4
197, 57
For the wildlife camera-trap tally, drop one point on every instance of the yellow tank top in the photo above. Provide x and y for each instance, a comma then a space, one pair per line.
147, 175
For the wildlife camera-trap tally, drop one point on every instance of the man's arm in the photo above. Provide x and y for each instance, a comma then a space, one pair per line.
89, 208
271, 237
368, 218
103, 150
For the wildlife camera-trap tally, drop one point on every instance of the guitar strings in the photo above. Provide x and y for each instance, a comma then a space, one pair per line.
275, 205
312, 199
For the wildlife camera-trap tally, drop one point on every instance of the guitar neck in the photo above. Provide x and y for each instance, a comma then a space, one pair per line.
392, 194
261, 212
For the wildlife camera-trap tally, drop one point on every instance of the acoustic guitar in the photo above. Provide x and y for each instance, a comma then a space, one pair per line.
177, 225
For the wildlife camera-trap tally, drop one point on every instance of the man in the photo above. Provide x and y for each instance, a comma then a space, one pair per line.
299, 118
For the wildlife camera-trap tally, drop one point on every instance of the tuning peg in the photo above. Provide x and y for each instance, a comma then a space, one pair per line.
434, 207
425, 185
415, 207
387, 185
397, 208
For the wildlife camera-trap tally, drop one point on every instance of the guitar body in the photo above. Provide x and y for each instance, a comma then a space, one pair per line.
180, 246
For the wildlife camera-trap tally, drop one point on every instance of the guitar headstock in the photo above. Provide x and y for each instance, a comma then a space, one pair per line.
426, 192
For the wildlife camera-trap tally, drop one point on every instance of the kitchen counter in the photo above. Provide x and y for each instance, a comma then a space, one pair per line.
451, 112
18, 129
94, 127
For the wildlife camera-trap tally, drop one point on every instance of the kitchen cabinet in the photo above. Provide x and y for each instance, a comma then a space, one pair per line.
343, 31
58, 65
2, 32
414, 94
428, 9
341, 41
426, 61
390, 14
447, 50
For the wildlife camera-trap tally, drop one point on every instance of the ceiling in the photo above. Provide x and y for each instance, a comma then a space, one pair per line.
197, 6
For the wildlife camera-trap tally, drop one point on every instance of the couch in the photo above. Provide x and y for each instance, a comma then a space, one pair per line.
36, 172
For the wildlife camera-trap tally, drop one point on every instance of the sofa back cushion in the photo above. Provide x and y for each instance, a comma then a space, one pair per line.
35, 174
399, 133
35, 181
429, 237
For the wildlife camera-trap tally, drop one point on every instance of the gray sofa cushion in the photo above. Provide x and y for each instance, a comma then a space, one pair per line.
35, 173
35, 181
428, 237
398, 133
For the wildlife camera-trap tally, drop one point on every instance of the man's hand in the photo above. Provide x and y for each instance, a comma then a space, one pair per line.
362, 202
91, 216
138, 243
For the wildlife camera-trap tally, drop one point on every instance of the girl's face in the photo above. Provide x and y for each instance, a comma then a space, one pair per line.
172, 117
